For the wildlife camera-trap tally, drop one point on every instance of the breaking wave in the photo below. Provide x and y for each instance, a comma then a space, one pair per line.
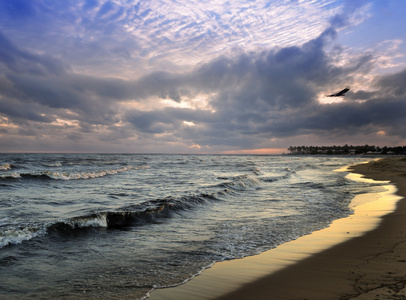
52, 164
242, 183
137, 215
79, 223
5, 167
154, 211
18, 235
149, 212
68, 175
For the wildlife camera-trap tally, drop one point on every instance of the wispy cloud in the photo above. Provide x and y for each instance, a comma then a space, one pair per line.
101, 36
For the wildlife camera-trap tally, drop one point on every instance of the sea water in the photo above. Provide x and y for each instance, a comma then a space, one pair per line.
116, 226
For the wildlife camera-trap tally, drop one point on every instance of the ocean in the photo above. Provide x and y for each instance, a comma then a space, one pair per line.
117, 226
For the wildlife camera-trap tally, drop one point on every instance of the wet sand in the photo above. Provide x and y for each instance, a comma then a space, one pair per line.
359, 257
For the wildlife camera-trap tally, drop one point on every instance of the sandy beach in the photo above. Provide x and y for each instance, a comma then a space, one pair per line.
359, 257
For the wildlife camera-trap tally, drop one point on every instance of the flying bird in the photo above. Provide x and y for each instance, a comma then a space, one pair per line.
339, 94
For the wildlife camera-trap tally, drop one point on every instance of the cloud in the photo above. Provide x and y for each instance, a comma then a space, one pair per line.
393, 84
20, 61
273, 94
253, 98
132, 38
259, 96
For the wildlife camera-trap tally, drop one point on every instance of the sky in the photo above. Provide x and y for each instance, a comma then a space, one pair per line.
194, 76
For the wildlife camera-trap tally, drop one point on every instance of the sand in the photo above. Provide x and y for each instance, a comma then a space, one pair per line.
359, 257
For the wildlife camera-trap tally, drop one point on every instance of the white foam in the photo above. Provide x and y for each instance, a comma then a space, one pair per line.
75, 175
98, 221
5, 167
12, 175
90, 175
245, 183
54, 164
17, 236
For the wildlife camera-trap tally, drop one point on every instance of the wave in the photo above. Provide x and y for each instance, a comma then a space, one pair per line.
242, 183
5, 167
277, 178
52, 164
151, 212
78, 223
90, 161
68, 175
137, 215
286, 173
18, 235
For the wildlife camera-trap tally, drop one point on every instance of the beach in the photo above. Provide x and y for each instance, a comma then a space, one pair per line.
369, 262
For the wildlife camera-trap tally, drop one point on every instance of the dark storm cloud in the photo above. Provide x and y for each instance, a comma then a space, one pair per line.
382, 109
274, 94
40, 83
393, 84
168, 119
21, 112
46, 80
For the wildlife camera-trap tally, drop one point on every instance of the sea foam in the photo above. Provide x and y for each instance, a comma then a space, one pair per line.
18, 235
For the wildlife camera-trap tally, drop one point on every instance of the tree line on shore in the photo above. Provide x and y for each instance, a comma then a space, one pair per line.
348, 149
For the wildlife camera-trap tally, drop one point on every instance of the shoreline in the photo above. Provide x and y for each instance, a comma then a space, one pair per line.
344, 261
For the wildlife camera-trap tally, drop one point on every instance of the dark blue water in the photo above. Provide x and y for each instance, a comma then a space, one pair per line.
106, 226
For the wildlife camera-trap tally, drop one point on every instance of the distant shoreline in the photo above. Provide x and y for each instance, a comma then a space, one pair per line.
347, 150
